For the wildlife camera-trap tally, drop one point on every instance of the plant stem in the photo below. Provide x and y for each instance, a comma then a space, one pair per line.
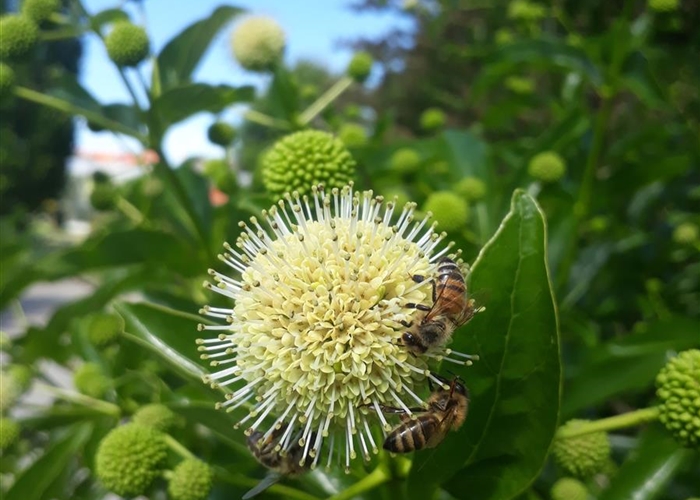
276, 489
630, 419
322, 102
369, 482
265, 120
177, 447
71, 109
96, 404
130, 211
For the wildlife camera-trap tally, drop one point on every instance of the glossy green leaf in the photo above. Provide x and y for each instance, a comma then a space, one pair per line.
33, 482
178, 103
646, 473
180, 57
515, 386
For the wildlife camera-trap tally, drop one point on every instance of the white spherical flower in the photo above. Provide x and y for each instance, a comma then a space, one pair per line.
312, 345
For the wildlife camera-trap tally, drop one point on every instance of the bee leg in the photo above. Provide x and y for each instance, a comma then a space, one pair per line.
407, 324
394, 409
420, 307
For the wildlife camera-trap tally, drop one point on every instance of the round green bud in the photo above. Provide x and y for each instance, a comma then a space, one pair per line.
101, 177
360, 66
127, 44
221, 133
353, 135
405, 161
432, 119
523, 10
664, 5
22, 376
520, 85
40, 10
129, 458
7, 80
19, 36
471, 188
104, 328
568, 488
686, 233
9, 392
190, 480
103, 196
678, 388
582, 456
304, 159
90, 380
504, 36
547, 166
158, 416
449, 210
9, 432
258, 43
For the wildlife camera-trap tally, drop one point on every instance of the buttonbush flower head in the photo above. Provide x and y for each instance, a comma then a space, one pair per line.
258, 43
450, 210
9, 431
302, 159
221, 133
686, 233
18, 36
104, 328
568, 488
312, 342
471, 188
90, 380
129, 458
360, 66
127, 44
190, 480
678, 387
40, 10
7, 80
664, 5
432, 119
353, 135
405, 161
547, 166
582, 456
157, 416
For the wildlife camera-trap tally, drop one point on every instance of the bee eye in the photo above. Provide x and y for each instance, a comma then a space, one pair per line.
408, 338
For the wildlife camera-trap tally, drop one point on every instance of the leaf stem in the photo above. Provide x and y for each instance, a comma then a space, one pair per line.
262, 119
74, 397
322, 102
276, 489
128, 209
369, 482
629, 419
177, 447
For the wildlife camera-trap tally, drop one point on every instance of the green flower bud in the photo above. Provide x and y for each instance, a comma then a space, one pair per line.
158, 416
103, 196
678, 387
303, 159
360, 66
258, 43
353, 135
91, 381
582, 456
547, 166
7, 81
127, 44
432, 119
104, 328
504, 36
520, 85
9, 392
449, 210
190, 480
686, 233
129, 458
40, 10
568, 488
405, 161
221, 133
18, 35
9, 432
664, 5
471, 188
523, 10
22, 376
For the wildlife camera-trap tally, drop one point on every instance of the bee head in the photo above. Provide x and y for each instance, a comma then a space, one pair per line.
410, 340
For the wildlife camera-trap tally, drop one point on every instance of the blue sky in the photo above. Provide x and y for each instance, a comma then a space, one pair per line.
313, 28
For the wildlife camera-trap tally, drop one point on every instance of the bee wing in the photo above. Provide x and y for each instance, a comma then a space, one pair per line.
437, 306
271, 478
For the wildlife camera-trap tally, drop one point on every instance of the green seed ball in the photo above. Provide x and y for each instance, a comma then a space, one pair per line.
158, 416
104, 328
221, 133
191, 480
40, 10
89, 379
678, 388
130, 458
449, 210
568, 488
353, 135
582, 456
686, 233
471, 188
547, 166
405, 161
432, 119
360, 66
9, 432
258, 43
18, 36
664, 5
127, 44
7, 81
303, 159
103, 197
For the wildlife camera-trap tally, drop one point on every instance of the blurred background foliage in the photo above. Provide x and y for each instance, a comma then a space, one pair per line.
591, 107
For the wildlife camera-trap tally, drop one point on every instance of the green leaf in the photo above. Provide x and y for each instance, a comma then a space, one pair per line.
515, 387
123, 113
35, 480
647, 472
180, 57
178, 103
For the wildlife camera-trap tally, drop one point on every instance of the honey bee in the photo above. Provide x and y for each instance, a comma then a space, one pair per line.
451, 309
267, 452
447, 410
